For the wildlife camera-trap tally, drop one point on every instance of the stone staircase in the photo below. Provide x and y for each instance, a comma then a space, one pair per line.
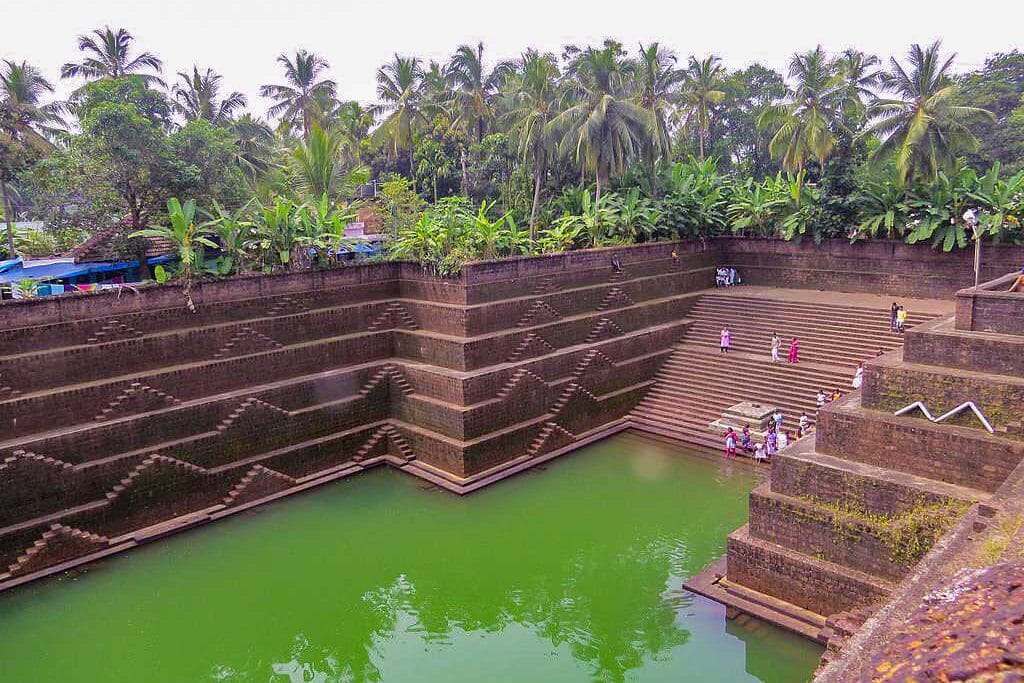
698, 382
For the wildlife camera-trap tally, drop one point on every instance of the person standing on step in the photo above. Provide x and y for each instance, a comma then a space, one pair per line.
794, 351
783, 439
725, 339
777, 418
893, 310
776, 345
730, 443
858, 377
805, 424
901, 319
745, 443
772, 441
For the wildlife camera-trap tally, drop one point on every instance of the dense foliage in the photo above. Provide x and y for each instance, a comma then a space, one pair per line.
476, 158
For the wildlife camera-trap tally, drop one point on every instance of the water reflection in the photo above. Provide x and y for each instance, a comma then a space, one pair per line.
574, 575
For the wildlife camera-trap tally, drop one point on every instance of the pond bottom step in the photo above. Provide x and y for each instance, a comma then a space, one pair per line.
739, 600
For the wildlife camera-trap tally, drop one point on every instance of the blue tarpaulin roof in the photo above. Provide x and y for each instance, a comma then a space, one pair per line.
65, 269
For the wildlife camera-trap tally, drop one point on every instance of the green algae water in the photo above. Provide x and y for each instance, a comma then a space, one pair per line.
568, 573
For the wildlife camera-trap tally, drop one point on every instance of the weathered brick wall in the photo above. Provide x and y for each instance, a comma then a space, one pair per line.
876, 266
889, 386
798, 477
818, 532
965, 456
991, 308
938, 343
805, 582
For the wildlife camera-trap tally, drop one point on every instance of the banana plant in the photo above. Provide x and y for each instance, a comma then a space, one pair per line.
232, 229
884, 207
561, 236
1002, 204
189, 240
755, 207
276, 232
487, 235
937, 209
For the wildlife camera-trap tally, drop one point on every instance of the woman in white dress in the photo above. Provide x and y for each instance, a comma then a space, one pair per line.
858, 377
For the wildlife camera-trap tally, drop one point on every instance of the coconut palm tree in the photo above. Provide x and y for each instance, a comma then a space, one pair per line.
475, 87
804, 124
860, 76
533, 102
922, 128
438, 95
657, 81
108, 55
400, 89
603, 128
197, 96
301, 96
701, 91
25, 126
254, 142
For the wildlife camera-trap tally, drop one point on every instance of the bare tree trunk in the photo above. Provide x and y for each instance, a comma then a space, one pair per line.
9, 218
465, 172
412, 172
538, 172
700, 140
140, 252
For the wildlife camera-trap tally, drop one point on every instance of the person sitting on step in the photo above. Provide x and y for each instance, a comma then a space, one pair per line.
759, 453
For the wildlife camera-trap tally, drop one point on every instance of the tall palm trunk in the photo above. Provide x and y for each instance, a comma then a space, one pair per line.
9, 218
538, 173
412, 171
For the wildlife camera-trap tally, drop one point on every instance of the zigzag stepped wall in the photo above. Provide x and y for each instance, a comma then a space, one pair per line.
122, 419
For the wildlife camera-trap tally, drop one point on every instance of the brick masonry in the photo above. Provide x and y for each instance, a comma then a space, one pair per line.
124, 412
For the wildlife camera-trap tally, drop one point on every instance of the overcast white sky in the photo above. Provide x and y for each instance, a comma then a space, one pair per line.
241, 38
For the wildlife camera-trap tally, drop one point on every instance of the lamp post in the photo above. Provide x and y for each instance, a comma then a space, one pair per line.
971, 218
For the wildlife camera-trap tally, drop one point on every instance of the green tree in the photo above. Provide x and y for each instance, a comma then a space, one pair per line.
298, 100
997, 87
741, 144
534, 98
923, 129
475, 88
318, 166
603, 128
701, 91
804, 124
400, 89
197, 96
126, 164
109, 55
657, 82
24, 122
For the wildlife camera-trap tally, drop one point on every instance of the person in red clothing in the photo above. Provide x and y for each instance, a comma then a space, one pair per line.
794, 351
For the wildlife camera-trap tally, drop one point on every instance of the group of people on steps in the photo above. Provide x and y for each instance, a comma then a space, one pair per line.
776, 438
725, 343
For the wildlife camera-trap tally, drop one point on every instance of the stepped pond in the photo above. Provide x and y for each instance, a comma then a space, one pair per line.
568, 573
